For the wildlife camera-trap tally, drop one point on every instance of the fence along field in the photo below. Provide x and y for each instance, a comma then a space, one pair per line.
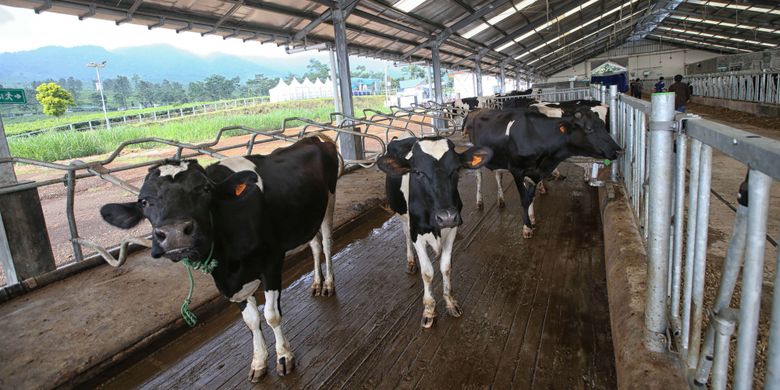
63, 145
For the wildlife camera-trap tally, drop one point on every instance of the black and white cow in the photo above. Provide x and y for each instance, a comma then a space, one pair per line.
530, 146
422, 187
245, 212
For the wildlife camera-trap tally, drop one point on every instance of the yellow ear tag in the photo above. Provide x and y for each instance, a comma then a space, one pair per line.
240, 189
562, 128
475, 160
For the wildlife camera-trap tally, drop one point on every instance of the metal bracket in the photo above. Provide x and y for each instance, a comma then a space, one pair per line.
680, 121
662, 126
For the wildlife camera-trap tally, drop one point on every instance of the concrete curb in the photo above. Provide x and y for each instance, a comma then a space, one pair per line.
626, 269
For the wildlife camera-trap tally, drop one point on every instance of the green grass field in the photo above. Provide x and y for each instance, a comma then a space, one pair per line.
65, 145
24, 124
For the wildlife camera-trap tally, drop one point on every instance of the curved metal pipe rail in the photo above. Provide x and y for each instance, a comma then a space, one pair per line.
388, 127
408, 121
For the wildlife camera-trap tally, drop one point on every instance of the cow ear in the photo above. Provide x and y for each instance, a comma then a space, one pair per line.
393, 166
563, 127
122, 215
476, 157
237, 186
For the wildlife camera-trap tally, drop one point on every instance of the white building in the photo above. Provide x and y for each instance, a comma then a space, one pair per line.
296, 90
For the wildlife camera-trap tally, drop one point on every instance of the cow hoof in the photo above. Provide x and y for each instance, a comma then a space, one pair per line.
316, 289
528, 232
480, 206
501, 203
454, 310
285, 365
255, 374
427, 322
411, 268
328, 289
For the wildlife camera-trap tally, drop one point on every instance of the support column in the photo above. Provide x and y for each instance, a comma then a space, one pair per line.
350, 146
660, 196
502, 78
478, 74
334, 81
437, 88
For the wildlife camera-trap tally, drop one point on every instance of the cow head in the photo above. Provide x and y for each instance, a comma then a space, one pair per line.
432, 166
177, 198
588, 136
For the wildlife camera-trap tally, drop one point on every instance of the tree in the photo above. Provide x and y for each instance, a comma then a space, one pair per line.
258, 86
122, 90
54, 99
316, 70
412, 72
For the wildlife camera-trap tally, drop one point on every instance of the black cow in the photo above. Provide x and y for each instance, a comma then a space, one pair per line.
246, 212
422, 187
530, 145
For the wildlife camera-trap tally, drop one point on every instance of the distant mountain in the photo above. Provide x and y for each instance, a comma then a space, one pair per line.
152, 63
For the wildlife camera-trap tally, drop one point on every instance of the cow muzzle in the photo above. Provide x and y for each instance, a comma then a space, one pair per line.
175, 240
448, 219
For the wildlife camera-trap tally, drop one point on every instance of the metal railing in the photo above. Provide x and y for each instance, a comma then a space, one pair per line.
656, 142
761, 87
149, 116
77, 170
550, 95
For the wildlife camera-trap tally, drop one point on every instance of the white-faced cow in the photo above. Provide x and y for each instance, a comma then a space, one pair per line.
422, 187
246, 212
530, 146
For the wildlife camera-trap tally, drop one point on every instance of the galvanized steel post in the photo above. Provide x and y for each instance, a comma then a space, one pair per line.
333, 78
758, 207
613, 130
349, 145
502, 78
437, 89
660, 196
773, 355
478, 73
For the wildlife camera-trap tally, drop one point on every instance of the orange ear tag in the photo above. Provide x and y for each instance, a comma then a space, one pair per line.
475, 160
240, 189
562, 128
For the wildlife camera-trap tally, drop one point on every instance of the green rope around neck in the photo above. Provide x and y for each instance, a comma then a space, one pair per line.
206, 266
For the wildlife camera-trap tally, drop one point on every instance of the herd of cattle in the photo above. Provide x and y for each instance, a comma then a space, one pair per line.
248, 211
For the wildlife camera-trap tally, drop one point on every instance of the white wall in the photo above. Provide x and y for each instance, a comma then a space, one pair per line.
666, 63
463, 85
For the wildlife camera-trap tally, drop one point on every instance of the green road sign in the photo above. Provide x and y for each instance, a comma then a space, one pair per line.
12, 96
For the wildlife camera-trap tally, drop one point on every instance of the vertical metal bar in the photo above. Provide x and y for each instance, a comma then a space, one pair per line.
70, 182
732, 264
613, 95
660, 197
348, 145
6, 261
700, 253
679, 210
502, 78
693, 190
724, 324
758, 189
773, 355
437, 89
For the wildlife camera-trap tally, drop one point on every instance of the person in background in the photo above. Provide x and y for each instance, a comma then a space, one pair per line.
659, 86
638, 89
681, 93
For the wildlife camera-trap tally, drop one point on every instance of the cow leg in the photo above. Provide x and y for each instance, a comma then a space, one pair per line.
259, 351
499, 176
526, 190
411, 267
426, 269
329, 287
478, 173
531, 216
316, 250
285, 362
448, 238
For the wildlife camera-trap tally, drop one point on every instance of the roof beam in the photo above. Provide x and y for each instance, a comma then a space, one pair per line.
46, 5
89, 13
224, 17
691, 43
130, 12
654, 16
158, 24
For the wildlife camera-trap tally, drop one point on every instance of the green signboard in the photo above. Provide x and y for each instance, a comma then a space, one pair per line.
12, 96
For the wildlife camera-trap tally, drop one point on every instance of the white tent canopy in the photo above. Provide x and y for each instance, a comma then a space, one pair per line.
297, 90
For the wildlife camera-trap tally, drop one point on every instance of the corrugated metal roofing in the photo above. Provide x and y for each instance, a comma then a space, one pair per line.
539, 36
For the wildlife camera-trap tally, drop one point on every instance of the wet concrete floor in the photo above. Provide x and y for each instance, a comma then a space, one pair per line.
535, 312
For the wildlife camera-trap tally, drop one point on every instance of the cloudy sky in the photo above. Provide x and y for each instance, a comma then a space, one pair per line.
22, 29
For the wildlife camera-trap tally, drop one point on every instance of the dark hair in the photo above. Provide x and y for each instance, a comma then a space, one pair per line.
661, 78
678, 78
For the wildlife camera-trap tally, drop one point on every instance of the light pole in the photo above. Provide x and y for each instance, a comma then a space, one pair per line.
97, 67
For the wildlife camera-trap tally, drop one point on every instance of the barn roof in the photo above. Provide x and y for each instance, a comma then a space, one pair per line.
532, 36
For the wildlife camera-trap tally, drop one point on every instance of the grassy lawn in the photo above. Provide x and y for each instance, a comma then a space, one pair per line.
65, 145
23, 124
